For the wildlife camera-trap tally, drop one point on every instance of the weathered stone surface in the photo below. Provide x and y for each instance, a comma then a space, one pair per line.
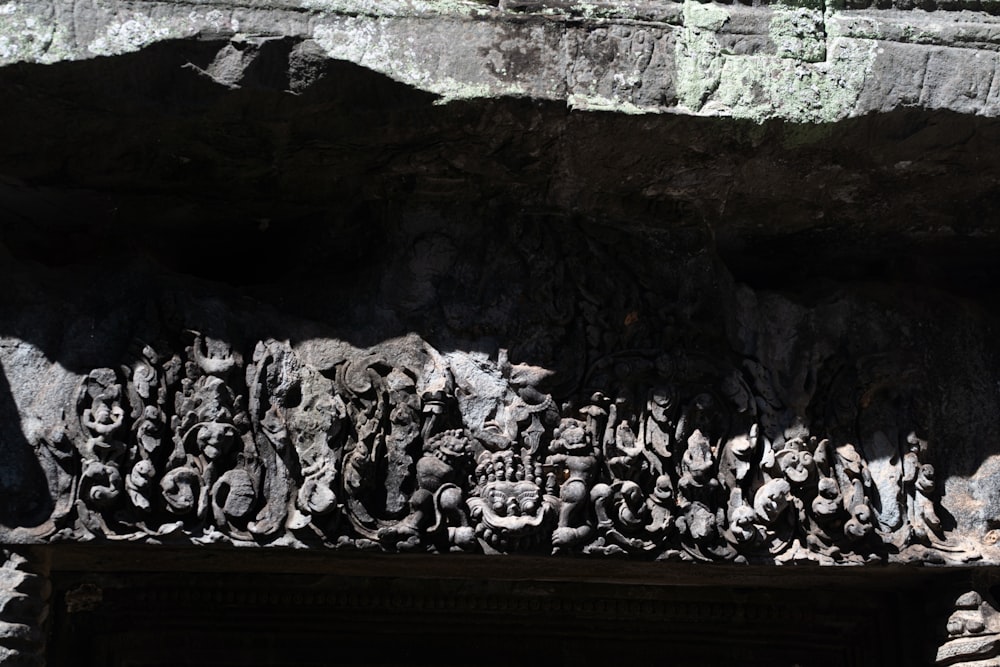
806, 63
236, 146
24, 596
573, 283
605, 288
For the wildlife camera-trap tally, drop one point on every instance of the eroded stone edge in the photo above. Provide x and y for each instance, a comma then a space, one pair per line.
803, 65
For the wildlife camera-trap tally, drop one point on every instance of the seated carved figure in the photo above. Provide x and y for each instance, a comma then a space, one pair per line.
626, 517
697, 479
437, 505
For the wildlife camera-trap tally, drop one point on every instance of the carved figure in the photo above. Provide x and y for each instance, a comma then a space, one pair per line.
736, 458
509, 508
660, 426
211, 433
573, 455
438, 503
697, 480
526, 414
100, 448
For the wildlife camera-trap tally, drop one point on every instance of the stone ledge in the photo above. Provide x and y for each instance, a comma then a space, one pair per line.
792, 63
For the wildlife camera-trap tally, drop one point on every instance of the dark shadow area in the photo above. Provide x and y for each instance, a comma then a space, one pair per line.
161, 619
301, 165
25, 499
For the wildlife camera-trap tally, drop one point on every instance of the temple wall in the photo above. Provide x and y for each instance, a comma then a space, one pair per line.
660, 295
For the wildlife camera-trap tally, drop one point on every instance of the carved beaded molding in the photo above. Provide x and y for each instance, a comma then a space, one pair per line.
672, 456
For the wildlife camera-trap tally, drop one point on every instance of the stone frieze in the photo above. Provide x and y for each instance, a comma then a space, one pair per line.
661, 456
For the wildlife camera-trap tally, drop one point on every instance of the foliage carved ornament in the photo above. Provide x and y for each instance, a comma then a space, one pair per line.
668, 457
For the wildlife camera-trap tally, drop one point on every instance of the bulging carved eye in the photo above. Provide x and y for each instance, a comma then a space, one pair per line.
498, 502
529, 506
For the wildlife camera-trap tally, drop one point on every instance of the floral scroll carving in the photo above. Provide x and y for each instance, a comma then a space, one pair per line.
667, 456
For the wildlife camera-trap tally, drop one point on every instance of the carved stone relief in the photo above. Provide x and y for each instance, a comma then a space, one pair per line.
972, 636
24, 598
659, 455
